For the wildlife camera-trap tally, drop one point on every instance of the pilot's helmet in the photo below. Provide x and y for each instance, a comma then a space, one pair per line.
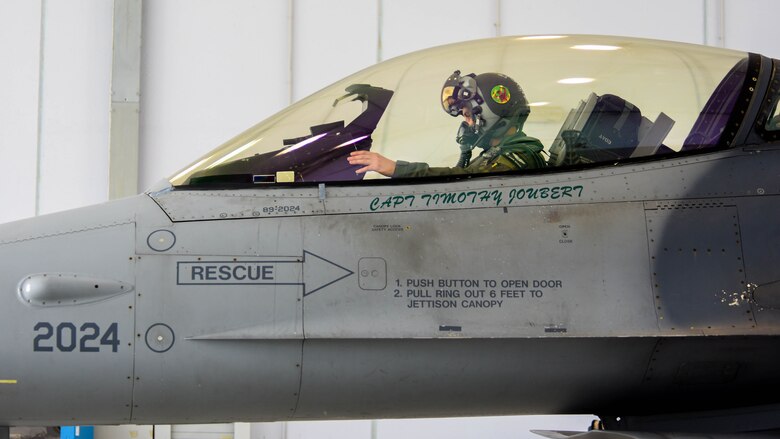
495, 101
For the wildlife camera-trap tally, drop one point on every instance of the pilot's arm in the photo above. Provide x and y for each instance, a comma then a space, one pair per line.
519, 152
410, 170
376, 162
372, 161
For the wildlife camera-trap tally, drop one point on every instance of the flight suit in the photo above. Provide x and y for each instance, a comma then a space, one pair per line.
514, 152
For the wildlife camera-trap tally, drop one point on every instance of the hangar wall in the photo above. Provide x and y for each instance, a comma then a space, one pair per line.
211, 68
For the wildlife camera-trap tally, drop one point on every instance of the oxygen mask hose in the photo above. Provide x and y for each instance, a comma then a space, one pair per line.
467, 138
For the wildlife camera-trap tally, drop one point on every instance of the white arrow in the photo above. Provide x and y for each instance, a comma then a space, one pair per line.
312, 272
319, 272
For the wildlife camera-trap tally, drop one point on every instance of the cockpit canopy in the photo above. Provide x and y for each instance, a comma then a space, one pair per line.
592, 99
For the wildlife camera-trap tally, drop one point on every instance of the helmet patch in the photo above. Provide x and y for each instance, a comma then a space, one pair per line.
500, 94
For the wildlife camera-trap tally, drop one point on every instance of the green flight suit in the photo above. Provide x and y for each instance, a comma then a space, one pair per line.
514, 152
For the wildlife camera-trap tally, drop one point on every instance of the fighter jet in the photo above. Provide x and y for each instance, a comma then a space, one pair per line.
521, 225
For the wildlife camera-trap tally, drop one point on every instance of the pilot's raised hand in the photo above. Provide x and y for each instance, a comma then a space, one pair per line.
372, 161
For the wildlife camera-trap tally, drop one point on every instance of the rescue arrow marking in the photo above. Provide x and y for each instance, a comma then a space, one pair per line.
312, 272
326, 267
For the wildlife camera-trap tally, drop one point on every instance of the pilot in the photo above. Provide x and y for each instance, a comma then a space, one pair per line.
494, 110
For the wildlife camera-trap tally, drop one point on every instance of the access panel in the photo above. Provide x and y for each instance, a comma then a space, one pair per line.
702, 237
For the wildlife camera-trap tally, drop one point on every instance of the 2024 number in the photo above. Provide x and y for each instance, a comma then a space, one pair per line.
66, 338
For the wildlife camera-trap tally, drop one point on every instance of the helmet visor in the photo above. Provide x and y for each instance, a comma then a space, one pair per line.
448, 100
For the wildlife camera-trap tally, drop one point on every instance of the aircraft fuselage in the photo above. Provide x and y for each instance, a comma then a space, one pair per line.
558, 293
